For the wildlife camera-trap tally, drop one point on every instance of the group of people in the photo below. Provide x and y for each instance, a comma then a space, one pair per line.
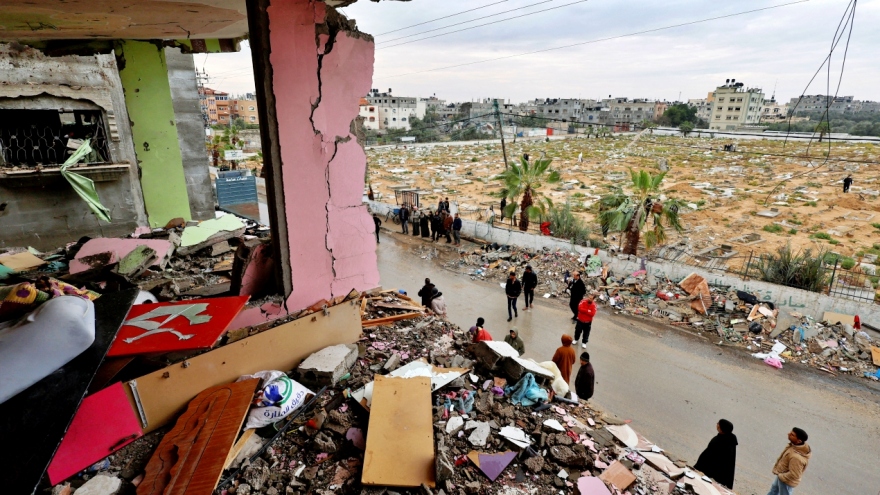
428, 223
514, 287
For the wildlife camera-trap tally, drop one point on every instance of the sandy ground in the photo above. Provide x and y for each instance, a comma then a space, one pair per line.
727, 190
675, 385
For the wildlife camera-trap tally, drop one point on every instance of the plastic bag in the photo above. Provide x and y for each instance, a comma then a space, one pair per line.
278, 397
526, 392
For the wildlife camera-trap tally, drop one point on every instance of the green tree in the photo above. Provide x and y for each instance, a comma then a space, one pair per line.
686, 128
629, 213
822, 129
678, 113
522, 183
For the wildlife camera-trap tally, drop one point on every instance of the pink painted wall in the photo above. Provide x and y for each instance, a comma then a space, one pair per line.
332, 246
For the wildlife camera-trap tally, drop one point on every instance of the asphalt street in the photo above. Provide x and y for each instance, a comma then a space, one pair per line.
675, 385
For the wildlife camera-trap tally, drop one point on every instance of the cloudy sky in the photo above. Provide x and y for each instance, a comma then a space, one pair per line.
780, 47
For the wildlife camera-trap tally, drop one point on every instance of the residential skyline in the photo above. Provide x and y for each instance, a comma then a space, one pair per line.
778, 48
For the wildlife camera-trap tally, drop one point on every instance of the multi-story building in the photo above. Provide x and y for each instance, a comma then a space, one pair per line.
245, 108
391, 112
624, 113
562, 108
735, 106
215, 106
773, 111
840, 104
703, 106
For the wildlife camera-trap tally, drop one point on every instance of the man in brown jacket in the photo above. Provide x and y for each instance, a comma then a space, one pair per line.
791, 464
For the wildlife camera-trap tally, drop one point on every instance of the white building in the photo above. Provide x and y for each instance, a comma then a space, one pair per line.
773, 111
735, 106
703, 106
386, 111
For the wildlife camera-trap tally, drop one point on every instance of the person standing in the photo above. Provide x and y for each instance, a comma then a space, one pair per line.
435, 226
847, 182
718, 461
378, 224
512, 288
447, 226
564, 358
404, 219
577, 289
416, 222
446, 205
585, 380
514, 341
792, 463
438, 304
456, 230
586, 311
503, 206
529, 282
425, 221
425, 293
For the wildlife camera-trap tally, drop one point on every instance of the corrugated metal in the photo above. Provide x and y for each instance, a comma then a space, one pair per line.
234, 188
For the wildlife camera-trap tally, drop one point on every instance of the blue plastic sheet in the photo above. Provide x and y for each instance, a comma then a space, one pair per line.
526, 392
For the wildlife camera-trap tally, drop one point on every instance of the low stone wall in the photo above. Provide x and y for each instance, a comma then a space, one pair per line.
787, 299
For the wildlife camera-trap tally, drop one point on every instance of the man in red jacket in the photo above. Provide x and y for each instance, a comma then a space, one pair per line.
586, 311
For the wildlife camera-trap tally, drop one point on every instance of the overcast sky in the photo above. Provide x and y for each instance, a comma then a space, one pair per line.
782, 46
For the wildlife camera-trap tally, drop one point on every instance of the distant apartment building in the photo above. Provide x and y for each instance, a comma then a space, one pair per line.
624, 113
772, 111
840, 104
245, 108
385, 111
483, 111
703, 106
562, 108
736, 106
215, 106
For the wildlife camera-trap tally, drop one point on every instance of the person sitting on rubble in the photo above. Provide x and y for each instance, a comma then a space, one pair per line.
515, 341
438, 304
586, 378
479, 333
425, 293
564, 357
718, 461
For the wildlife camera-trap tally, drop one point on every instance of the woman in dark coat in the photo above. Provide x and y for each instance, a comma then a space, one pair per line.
718, 461
435, 226
424, 220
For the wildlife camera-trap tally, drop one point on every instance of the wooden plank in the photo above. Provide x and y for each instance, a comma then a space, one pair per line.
384, 305
191, 456
233, 452
390, 319
833, 318
875, 355
400, 442
280, 348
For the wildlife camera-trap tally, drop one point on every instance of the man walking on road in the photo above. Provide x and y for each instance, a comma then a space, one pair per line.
577, 289
529, 282
404, 219
718, 461
585, 379
512, 288
586, 311
456, 230
791, 464
378, 224
515, 341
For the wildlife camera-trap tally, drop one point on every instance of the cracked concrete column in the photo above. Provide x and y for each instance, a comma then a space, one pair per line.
312, 67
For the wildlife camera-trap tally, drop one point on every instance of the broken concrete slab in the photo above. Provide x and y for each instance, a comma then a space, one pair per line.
454, 425
210, 232
771, 213
328, 365
100, 485
480, 433
119, 249
136, 262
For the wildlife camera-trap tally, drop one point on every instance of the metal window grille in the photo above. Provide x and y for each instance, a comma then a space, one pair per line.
39, 137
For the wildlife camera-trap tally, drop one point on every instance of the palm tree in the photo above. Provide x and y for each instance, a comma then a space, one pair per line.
629, 213
521, 183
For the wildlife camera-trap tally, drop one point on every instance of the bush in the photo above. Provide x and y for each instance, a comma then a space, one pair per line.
773, 228
792, 231
811, 203
847, 263
802, 270
821, 235
565, 225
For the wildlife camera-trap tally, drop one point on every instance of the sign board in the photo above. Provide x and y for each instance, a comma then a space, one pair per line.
408, 139
233, 155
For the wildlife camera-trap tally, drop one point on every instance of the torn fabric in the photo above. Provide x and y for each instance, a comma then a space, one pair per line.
84, 186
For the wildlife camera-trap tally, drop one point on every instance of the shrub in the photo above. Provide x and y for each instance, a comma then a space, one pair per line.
792, 231
847, 263
834, 242
876, 225
821, 235
773, 228
565, 225
802, 269
811, 203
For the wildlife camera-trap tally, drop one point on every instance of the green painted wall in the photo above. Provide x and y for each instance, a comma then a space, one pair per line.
148, 99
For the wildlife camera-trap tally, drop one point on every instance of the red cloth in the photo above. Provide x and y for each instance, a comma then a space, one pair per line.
586, 311
857, 323
564, 358
545, 228
481, 334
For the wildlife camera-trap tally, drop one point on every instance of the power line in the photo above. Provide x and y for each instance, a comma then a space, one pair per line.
441, 18
708, 19
487, 24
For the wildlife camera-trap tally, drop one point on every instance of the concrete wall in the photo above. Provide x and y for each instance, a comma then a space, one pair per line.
786, 298
47, 216
190, 132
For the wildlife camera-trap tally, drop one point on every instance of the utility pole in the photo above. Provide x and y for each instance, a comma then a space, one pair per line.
500, 131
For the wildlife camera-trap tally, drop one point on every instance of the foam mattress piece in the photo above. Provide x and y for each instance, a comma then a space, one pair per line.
45, 340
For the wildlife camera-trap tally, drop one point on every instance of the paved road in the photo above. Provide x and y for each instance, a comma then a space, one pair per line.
674, 386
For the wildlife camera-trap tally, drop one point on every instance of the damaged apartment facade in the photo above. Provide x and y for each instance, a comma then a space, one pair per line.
120, 74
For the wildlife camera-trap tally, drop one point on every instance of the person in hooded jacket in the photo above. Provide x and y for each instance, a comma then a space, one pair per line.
529, 282
718, 461
790, 467
425, 293
438, 304
564, 357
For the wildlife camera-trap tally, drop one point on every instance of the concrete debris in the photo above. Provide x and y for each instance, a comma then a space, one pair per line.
328, 365
100, 485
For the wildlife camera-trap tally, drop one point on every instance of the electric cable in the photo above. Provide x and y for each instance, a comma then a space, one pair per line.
440, 18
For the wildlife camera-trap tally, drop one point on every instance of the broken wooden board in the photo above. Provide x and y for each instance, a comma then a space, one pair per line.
104, 423
400, 442
191, 456
875, 355
402, 307
37, 429
618, 475
21, 262
390, 319
176, 326
280, 348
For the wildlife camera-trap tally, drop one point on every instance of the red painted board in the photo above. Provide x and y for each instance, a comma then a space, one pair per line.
103, 424
176, 326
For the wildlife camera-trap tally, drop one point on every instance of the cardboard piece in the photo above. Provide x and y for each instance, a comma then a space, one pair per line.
590, 485
119, 249
104, 423
440, 377
875, 355
400, 439
176, 326
492, 465
190, 458
280, 348
663, 464
35, 429
833, 318
618, 475
21, 262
